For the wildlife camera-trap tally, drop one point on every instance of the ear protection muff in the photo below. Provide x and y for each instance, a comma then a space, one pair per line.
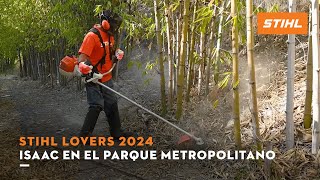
105, 25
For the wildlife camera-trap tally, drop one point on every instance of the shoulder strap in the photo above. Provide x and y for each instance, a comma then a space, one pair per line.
103, 59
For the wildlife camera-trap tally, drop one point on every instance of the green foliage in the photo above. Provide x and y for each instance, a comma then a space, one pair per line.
44, 24
213, 2
241, 21
147, 81
225, 57
150, 66
197, 58
224, 82
174, 6
131, 64
204, 15
39, 24
215, 103
241, 18
258, 9
274, 8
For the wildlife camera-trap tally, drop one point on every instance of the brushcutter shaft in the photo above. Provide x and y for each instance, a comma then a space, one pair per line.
198, 140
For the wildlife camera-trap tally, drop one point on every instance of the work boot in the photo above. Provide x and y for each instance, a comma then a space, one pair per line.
90, 122
124, 133
115, 123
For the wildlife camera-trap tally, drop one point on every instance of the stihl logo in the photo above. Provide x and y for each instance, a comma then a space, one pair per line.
282, 23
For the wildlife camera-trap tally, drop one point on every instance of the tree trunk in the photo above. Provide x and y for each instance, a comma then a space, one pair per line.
39, 66
30, 64
217, 63
316, 77
43, 66
160, 56
197, 40
252, 78
235, 74
210, 57
60, 54
24, 60
307, 121
182, 58
177, 46
34, 64
202, 59
56, 63
51, 68
20, 63
48, 65
170, 62
173, 55
290, 84
191, 55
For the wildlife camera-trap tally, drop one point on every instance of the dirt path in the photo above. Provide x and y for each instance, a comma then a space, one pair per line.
42, 111
33, 110
38, 110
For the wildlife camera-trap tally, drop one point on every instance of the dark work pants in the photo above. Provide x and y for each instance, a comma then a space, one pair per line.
99, 99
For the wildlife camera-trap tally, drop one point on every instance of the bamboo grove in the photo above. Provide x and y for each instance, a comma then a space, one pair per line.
197, 42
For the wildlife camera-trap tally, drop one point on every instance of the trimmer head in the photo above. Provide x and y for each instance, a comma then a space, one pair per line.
199, 141
186, 139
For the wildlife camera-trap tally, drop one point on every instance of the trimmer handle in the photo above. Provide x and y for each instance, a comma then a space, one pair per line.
91, 78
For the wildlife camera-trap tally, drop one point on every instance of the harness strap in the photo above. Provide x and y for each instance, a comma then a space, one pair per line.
103, 59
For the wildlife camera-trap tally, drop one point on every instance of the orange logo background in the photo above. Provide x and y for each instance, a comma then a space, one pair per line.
282, 23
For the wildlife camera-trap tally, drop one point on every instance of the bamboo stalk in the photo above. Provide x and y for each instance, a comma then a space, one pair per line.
210, 57
316, 77
182, 58
235, 74
290, 84
202, 59
307, 121
252, 78
169, 54
191, 56
173, 55
160, 56
219, 38
178, 29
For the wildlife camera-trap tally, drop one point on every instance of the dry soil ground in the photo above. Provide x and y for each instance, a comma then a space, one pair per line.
31, 109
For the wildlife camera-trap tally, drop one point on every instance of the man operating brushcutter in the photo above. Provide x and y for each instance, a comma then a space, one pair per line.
97, 55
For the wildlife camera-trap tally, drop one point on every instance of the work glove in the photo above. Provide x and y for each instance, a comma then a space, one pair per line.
96, 77
119, 54
84, 68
